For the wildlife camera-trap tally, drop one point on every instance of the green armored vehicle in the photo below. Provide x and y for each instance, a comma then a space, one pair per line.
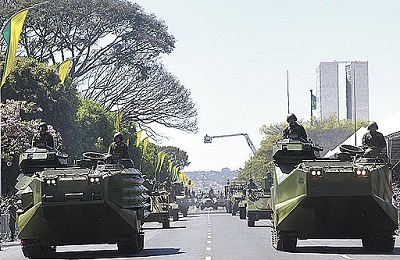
182, 197
258, 203
105, 203
345, 197
159, 207
235, 194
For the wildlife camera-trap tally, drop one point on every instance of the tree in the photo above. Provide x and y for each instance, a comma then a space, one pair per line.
36, 82
95, 32
115, 46
158, 98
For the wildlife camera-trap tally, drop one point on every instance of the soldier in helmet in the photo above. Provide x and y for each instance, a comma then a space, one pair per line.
43, 136
118, 147
373, 141
294, 128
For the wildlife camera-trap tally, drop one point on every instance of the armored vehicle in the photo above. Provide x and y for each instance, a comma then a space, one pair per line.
343, 197
234, 193
258, 203
159, 209
208, 202
182, 197
105, 203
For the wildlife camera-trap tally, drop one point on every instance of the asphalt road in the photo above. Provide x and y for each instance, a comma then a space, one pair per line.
211, 235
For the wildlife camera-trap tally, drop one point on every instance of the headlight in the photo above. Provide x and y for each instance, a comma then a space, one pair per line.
50, 182
360, 172
316, 172
94, 180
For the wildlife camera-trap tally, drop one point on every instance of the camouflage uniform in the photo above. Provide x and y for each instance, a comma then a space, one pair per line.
44, 137
295, 128
121, 148
373, 141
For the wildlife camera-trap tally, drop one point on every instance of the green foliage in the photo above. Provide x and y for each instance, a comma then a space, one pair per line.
327, 133
96, 126
177, 156
32, 81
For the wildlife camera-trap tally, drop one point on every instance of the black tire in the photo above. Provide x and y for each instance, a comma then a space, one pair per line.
379, 244
38, 251
166, 224
242, 213
185, 213
175, 217
285, 241
131, 246
251, 222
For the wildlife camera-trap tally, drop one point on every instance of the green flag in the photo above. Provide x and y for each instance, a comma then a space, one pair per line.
313, 102
11, 32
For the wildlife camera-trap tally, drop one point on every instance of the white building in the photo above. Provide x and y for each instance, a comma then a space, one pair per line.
357, 86
327, 90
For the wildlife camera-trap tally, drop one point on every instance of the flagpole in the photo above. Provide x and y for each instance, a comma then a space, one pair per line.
311, 103
287, 90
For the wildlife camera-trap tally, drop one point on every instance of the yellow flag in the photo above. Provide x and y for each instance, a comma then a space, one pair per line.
145, 142
138, 137
170, 167
11, 32
162, 160
63, 70
118, 121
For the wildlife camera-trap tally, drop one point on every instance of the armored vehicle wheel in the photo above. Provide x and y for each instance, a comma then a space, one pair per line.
284, 241
229, 207
38, 251
251, 222
185, 213
131, 246
166, 224
242, 213
216, 207
175, 217
379, 244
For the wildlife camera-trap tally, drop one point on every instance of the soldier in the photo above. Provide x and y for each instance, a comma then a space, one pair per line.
373, 141
251, 184
294, 128
118, 147
43, 136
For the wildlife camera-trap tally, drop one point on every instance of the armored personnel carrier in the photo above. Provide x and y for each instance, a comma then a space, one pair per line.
159, 209
258, 203
71, 205
343, 197
236, 192
182, 197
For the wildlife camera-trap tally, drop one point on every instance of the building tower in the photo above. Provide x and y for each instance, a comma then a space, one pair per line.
327, 90
357, 90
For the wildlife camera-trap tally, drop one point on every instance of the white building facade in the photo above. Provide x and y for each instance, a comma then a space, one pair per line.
327, 90
357, 90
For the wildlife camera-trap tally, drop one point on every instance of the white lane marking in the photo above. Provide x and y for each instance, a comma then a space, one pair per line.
208, 248
208, 258
209, 237
208, 242
345, 256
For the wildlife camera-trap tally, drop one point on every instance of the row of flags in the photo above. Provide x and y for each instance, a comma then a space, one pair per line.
11, 33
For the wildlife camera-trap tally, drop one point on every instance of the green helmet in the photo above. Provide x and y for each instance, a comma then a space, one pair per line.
117, 134
291, 115
372, 123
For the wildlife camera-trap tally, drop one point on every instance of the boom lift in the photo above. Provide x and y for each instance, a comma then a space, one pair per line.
208, 139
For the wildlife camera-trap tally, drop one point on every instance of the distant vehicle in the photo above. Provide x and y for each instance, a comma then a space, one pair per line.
71, 205
159, 209
258, 203
235, 193
208, 203
343, 197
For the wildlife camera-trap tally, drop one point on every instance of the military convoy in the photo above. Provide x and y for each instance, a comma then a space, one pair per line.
93, 202
343, 197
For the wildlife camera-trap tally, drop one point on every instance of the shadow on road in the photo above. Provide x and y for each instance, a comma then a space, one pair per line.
115, 253
152, 228
341, 250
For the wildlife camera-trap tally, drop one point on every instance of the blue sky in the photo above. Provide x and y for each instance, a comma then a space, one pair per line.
233, 56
